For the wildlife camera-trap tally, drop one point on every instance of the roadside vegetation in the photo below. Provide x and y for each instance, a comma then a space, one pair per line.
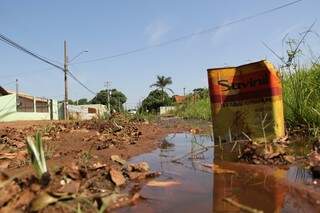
301, 89
195, 106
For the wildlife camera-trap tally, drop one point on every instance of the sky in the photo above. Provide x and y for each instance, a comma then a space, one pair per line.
110, 27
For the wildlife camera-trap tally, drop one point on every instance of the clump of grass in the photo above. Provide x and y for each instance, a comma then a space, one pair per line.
37, 156
84, 158
301, 87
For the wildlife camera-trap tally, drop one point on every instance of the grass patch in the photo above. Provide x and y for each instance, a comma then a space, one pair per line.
301, 89
195, 109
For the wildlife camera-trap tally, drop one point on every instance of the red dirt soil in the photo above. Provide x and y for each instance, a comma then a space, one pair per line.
70, 148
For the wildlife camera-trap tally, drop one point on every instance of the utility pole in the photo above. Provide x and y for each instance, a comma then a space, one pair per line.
107, 85
65, 69
17, 93
184, 91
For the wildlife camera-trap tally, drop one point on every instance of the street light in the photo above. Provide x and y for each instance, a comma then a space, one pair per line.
84, 51
65, 69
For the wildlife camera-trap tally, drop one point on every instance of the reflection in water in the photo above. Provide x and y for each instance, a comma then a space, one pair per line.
299, 174
181, 158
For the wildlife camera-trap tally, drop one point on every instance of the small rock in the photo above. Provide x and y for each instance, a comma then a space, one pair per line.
142, 167
65, 181
134, 175
117, 177
118, 159
98, 165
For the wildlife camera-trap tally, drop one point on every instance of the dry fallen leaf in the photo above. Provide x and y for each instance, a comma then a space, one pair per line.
156, 183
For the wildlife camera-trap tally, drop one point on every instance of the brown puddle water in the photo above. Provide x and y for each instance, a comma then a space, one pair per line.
260, 187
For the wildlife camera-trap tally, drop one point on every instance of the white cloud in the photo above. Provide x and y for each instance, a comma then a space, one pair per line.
156, 31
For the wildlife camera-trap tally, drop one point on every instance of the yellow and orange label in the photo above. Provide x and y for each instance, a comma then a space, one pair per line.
246, 101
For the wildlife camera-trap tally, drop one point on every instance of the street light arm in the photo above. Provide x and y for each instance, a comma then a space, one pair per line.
85, 51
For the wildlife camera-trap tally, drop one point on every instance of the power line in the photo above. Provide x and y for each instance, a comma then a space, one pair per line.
13, 44
19, 47
190, 35
10, 82
82, 84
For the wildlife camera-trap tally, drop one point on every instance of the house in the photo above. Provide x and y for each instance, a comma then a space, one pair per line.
179, 99
21, 106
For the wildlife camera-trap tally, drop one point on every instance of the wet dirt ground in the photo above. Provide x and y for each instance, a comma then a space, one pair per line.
191, 179
183, 161
78, 157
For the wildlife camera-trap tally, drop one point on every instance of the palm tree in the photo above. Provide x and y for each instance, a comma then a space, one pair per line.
162, 83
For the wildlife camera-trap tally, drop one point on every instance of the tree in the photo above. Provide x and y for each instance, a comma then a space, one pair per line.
117, 99
162, 83
201, 92
83, 101
71, 102
155, 100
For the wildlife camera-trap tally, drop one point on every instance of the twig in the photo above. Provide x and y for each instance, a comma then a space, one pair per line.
241, 206
234, 146
192, 152
246, 136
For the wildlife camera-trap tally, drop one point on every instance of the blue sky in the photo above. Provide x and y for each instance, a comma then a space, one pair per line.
105, 27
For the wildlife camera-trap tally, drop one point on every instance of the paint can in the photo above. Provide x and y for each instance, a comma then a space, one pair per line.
246, 102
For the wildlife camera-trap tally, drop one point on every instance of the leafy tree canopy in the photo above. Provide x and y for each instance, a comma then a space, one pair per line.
83, 101
201, 92
117, 99
155, 100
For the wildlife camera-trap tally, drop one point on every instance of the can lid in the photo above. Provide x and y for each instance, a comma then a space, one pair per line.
230, 67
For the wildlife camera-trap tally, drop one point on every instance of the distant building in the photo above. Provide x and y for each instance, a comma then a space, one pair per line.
17, 107
87, 112
179, 99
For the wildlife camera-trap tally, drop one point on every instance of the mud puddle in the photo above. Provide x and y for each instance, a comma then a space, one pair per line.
191, 187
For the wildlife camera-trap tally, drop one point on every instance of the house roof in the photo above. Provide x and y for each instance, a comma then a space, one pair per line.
21, 94
179, 98
3, 91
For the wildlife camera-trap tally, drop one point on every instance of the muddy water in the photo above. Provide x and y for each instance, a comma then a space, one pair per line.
259, 187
